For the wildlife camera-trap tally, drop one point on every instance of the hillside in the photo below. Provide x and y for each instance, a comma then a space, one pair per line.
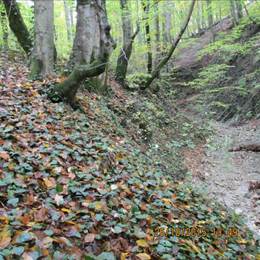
170, 172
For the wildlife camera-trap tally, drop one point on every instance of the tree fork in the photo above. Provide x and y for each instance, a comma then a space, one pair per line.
123, 59
67, 89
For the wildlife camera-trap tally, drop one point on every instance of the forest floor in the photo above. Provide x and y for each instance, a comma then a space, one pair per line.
100, 183
73, 184
230, 177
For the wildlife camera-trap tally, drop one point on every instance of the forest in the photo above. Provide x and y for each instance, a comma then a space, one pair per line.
129, 129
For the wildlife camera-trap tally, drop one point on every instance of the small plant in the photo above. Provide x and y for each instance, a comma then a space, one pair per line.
210, 76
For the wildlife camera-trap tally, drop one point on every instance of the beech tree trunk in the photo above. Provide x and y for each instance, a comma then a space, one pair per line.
128, 39
68, 20
175, 43
44, 51
146, 8
199, 16
18, 26
239, 9
86, 42
168, 21
210, 18
4, 26
93, 45
157, 31
233, 11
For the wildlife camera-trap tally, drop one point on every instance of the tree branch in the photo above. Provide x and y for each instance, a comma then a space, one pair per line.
156, 71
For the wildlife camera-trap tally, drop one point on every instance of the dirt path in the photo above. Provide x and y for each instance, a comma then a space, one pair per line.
227, 176
189, 55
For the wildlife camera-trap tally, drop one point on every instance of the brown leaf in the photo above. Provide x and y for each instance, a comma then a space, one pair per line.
143, 256
25, 219
89, 238
5, 237
41, 215
4, 155
120, 245
142, 243
49, 182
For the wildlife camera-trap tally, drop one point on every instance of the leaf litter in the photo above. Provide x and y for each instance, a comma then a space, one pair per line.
71, 187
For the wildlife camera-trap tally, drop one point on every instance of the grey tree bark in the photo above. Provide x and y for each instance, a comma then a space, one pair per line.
199, 16
175, 43
43, 53
128, 39
210, 18
157, 32
239, 9
68, 20
3, 22
93, 45
146, 8
168, 21
233, 11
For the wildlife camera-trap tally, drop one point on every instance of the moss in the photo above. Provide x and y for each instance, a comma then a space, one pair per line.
35, 68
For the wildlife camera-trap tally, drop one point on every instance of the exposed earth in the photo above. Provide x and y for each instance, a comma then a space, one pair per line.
230, 177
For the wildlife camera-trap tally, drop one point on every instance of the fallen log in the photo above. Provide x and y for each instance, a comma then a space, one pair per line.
246, 147
254, 185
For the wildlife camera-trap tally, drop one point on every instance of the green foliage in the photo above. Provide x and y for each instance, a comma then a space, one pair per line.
135, 81
210, 75
228, 44
95, 85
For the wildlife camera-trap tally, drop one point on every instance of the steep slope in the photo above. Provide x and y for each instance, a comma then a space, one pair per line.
76, 184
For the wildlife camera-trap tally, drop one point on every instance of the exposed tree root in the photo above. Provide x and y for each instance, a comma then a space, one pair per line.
246, 147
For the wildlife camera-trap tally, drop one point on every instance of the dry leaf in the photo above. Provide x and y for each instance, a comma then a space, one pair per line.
89, 238
143, 256
4, 155
50, 183
124, 256
5, 237
142, 243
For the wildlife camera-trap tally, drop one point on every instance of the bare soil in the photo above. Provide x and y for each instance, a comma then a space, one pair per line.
231, 178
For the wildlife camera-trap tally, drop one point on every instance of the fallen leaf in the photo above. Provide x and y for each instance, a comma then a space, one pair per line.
4, 155
89, 238
192, 246
143, 256
167, 201
124, 256
142, 243
49, 182
58, 199
5, 237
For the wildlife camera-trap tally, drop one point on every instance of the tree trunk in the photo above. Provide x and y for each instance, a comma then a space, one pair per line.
68, 20
164, 61
239, 9
204, 24
139, 35
86, 42
168, 22
95, 45
128, 39
4, 31
199, 16
43, 53
157, 32
210, 18
233, 11
18, 26
146, 8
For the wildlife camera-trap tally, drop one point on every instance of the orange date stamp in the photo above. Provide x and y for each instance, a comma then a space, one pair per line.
195, 232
